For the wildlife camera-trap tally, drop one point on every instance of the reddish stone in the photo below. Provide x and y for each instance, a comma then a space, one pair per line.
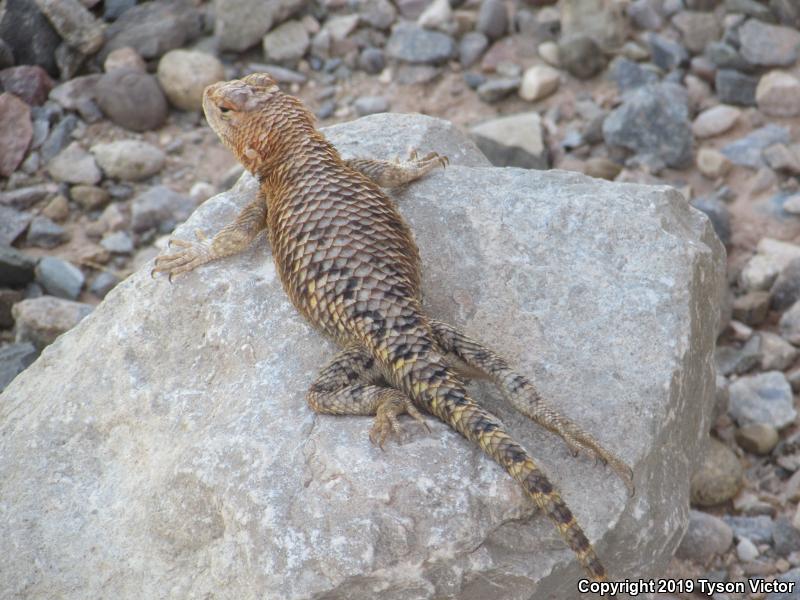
16, 132
31, 83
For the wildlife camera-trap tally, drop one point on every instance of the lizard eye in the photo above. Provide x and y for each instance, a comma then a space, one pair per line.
224, 109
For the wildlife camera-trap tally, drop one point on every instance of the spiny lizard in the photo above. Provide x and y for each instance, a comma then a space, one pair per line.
349, 263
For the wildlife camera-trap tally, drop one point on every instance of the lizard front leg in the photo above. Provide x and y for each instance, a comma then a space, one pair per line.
348, 385
231, 239
524, 397
388, 173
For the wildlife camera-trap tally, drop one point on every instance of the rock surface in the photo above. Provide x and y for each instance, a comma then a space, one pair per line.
181, 442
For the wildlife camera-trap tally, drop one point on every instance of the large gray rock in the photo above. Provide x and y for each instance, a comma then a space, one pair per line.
163, 448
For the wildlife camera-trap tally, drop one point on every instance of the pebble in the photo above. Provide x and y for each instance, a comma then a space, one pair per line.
8, 298
646, 14
118, 242
715, 121
751, 308
721, 397
548, 51
413, 44
746, 550
159, 207
653, 121
103, 283
77, 26
602, 168
132, 99
201, 191
786, 289
124, 58
757, 529
778, 94
777, 353
747, 151
74, 165
718, 213
40, 321
89, 197
629, 75
781, 157
59, 277
762, 398
12, 224
697, 29
129, 160
750, 8
379, 14
492, 19
785, 537
57, 209
732, 360
758, 438
718, 478
26, 197
59, 137
371, 60
580, 56
438, 15
471, 47
14, 359
44, 233
725, 56
29, 83
735, 87
539, 82
712, 163
513, 141
370, 105
497, 88
285, 45
666, 53
771, 257
768, 45
706, 536
16, 132
16, 268
184, 74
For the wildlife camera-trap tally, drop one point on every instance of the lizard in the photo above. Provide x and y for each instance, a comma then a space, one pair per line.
348, 261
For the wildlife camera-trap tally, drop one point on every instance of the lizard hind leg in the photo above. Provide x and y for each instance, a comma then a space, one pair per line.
349, 385
523, 396
389, 174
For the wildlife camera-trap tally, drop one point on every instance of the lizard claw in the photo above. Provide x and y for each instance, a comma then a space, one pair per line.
386, 422
190, 256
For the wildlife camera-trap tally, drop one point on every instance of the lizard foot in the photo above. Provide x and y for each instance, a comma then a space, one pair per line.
386, 422
427, 162
603, 457
190, 256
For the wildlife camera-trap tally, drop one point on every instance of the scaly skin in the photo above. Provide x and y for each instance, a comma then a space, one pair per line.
349, 263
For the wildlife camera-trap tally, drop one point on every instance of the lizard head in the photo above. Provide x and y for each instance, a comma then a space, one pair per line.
254, 118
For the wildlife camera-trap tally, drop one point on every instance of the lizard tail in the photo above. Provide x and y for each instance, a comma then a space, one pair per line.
427, 378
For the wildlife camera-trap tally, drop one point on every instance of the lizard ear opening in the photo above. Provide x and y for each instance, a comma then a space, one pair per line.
260, 80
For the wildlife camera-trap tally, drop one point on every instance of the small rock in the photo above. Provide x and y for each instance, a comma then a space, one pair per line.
752, 308
746, 550
786, 289
370, 105
722, 397
76, 25
12, 224
792, 204
74, 165
771, 257
89, 197
14, 359
778, 94
776, 353
118, 242
732, 360
757, 438
24, 198
629, 75
653, 121
718, 213
201, 191
697, 29
413, 44
635, 51
44, 233
785, 537
371, 60
8, 298
129, 160
646, 14
581, 56
768, 45
513, 141
539, 82
498, 88
718, 478
781, 157
549, 52
59, 137
790, 324
124, 58
788, 13
285, 45
492, 19
762, 398
712, 163
29, 83
59, 278
602, 168
757, 529
132, 99
751, 8
16, 132
57, 209
725, 56
715, 121
747, 151
16, 268
379, 14
103, 283
666, 53
29, 34
706, 536
471, 47
159, 207
184, 74
438, 15
734, 87
40, 321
